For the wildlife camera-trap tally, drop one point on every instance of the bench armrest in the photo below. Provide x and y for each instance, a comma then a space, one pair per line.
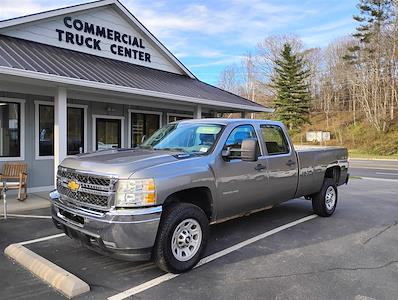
22, 177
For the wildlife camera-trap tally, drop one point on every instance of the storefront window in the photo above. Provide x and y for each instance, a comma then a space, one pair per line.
143, 126
10, 131
174, 118
108, 134
46, 130
75, 130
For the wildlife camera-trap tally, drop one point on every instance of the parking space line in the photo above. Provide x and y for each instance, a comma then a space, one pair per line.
158, 280
27, 216
42, 239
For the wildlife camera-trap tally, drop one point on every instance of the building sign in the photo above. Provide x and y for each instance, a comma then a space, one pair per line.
317, 136
90, 35
101, 31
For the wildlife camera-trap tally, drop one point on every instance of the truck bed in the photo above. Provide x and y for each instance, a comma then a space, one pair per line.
313, 162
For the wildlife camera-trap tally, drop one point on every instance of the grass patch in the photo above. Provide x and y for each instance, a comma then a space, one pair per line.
353, 153
361, 139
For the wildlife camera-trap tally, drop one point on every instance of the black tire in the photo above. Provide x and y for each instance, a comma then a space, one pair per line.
174, 215
319, 199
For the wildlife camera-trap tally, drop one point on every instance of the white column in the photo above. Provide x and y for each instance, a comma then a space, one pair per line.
60, 127
198, 112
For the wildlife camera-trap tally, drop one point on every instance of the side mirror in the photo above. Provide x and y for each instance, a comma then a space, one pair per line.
250, 150
226, 153
143, 139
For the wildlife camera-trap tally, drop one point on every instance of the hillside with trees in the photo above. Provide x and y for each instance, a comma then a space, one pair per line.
348, 88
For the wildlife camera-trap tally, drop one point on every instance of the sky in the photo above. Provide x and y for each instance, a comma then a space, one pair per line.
209, 35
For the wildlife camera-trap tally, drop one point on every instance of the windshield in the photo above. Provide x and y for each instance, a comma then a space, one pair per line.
192, 138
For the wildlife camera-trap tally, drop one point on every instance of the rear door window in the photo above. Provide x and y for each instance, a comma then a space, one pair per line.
274, 139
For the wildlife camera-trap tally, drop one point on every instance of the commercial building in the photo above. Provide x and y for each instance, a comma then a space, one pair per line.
90, 77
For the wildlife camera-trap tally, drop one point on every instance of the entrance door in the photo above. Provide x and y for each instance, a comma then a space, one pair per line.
143, 125
108, 134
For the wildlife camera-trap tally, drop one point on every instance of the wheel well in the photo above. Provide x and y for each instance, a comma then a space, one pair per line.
199, 196
334, 173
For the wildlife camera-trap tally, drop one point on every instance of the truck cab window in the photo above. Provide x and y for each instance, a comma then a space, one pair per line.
275, 140
234, 141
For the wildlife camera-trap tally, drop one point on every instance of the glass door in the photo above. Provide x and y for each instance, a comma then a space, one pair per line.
143, 125
75, 137
108, 134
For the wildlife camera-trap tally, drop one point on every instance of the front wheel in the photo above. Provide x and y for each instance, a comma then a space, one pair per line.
324, 202
182, 237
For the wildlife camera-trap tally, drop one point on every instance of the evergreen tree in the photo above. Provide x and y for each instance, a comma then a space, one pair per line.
373, 16
374, 61
292, 101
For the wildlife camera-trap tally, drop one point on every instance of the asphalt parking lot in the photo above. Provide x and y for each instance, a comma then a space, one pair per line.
351, 255
387, 169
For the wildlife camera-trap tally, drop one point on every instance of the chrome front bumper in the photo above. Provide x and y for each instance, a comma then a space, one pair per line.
122, 233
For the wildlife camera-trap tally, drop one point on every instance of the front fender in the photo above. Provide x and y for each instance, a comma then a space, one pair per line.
180, 175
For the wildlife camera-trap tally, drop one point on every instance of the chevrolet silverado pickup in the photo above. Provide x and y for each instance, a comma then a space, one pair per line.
156, 201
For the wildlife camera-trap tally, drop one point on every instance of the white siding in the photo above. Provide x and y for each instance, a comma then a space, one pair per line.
43, 31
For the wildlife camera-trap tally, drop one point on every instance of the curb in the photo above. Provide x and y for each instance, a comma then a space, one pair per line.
371, 159
58, 278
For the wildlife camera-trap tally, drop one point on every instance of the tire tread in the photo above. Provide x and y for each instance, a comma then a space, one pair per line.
168, 222
318, 199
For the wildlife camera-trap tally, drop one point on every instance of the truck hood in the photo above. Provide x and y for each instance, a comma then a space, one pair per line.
120, 162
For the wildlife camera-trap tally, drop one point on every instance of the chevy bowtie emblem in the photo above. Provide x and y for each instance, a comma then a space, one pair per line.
73, 185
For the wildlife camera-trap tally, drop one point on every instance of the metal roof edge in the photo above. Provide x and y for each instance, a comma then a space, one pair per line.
124, 89
230, 93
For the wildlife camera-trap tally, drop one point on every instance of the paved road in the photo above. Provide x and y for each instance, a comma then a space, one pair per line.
351, 255
374, 168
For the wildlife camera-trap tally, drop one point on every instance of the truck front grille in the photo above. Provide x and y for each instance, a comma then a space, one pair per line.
83, 197
93, 190
84, 178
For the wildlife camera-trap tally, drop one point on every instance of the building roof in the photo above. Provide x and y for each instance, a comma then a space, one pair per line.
30, 59
23, 20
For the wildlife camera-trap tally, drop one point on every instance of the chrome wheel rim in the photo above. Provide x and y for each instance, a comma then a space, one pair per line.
186, 240
330, 198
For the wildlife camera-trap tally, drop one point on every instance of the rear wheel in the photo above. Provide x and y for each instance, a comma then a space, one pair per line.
182, 238
324, 202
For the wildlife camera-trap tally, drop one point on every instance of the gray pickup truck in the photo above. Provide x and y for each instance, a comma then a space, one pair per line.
157, 201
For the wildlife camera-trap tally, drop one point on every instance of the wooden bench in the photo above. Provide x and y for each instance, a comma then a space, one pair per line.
15, 176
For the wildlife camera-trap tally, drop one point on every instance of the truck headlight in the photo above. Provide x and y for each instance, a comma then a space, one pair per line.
135, 192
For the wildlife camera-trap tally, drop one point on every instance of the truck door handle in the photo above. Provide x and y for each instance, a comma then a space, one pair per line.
290, 163
259, 167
